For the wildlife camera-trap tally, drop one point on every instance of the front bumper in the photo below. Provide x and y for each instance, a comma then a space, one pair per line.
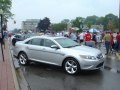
92, 65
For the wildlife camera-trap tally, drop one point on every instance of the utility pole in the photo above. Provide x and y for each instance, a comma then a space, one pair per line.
119, 15
2, 37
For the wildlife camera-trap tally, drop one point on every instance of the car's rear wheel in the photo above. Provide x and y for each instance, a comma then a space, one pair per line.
71, 66
23, 59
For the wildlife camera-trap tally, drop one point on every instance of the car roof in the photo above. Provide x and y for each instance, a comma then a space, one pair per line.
48, 37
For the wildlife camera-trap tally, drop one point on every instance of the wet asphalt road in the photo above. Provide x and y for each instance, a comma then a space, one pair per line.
47, 77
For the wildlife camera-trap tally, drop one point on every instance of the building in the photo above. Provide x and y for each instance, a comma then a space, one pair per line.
30, 25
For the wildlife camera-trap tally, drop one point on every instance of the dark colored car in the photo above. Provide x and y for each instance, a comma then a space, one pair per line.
20, 37
17, 37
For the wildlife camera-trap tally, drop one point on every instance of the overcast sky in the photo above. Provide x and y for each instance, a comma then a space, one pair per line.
58, 10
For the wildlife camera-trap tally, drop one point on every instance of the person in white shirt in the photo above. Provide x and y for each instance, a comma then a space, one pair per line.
98, 40
81, 37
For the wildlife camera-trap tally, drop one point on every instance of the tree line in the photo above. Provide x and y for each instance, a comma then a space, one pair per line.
110, 22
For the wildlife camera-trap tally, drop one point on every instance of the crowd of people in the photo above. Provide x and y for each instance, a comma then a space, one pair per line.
96, 39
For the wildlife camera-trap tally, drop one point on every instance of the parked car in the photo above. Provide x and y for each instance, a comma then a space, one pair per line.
15, 38
59, 51
20, 37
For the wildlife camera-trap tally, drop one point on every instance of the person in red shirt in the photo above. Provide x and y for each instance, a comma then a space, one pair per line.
9, 35
87, 39
118, 42
88, 36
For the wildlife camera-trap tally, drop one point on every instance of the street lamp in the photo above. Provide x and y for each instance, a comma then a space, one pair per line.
1, 16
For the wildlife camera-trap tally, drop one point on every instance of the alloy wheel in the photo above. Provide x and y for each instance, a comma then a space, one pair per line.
23, 59
71, 66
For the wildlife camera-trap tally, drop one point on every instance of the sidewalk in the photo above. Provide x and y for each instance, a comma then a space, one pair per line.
8, 79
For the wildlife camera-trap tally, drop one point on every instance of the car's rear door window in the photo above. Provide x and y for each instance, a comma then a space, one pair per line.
48, 43
35, 41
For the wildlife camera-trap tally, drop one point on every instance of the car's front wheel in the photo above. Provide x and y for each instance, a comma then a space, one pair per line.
23, 59
71, 66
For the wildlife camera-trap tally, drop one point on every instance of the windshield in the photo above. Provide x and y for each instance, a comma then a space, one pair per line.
66, 43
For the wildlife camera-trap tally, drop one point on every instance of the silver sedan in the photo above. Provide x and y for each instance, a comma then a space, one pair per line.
59, 51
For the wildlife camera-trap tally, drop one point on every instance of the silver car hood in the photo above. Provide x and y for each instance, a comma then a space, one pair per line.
84, 50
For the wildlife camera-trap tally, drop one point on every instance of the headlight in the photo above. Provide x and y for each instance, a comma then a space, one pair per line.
88, 57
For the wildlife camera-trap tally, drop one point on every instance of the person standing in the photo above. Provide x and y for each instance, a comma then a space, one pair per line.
112, 42
118, 41
98, 40
73, 36
2, 41
81, 37
94, 37
88, 36
107, 40
88, 39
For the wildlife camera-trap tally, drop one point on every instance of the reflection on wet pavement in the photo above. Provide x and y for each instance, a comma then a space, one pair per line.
46, 77
112, 63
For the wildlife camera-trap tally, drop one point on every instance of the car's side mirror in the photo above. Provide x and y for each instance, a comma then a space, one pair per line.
55, 46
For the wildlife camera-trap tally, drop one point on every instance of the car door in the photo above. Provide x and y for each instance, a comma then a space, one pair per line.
34, 49
51, 55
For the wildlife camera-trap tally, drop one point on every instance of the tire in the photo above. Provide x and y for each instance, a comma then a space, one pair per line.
71, 66
23, 59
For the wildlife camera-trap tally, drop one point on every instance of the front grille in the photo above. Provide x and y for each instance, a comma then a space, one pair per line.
100, 65
100, 56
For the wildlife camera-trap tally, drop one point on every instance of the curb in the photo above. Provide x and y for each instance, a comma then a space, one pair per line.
17, 87
24, 85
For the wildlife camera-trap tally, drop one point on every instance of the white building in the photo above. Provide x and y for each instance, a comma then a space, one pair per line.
30, 24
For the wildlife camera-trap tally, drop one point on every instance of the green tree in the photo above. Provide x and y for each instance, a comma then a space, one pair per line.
77, 22
6, 5
58, 27
111, 20
65, 21
91, 20
44, 24
110, 25
100, 20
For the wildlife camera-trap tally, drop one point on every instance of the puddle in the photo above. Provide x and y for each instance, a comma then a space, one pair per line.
118, 71
112, 69
107, 68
